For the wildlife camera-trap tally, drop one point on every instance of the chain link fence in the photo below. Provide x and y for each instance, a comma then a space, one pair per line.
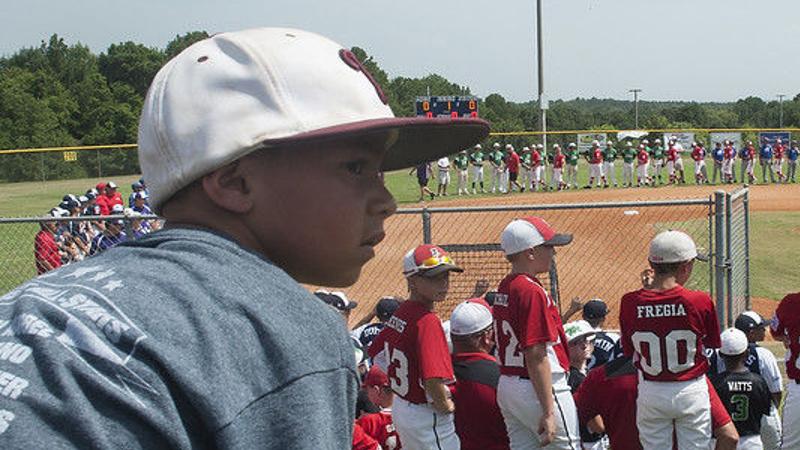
605, 260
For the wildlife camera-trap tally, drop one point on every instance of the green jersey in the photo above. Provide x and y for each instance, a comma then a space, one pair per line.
610, 154
628, 155
461, 162
525, 159
657, 152
572, 157
476, 158
496, 158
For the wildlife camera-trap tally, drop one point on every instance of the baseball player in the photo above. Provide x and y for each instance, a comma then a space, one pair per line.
728, 155
547, 161
699, 158
609, 393
580, 336
537, 163
365, 331
643, 161
476, 159
595, 157
479, 423
785, 327
765, 160
679, 160
527, 169
748, 156
656, 153
672, 156
572, 165
414, 354
223, 346
496, 162
718, 156
533, 393
423, 171
791, 160
665, 327
462, 166
512, 166
363, 441
628, 156
558, 168
746, 395
379, 425
443, 164
777, 160
606, 343
504, 176
608, 163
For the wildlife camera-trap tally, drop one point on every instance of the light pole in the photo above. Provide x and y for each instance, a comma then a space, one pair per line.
543, 104
780, 103
636, 106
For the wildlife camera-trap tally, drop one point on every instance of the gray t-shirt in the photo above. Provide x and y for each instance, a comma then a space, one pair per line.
182, 339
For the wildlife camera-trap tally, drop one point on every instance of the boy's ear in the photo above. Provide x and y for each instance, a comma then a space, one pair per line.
227, 188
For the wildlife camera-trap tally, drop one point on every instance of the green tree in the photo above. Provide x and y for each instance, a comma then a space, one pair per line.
180, 42
132, 64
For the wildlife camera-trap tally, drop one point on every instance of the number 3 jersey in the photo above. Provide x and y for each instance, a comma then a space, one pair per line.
666, 332
415, 349
747, 399
524, 316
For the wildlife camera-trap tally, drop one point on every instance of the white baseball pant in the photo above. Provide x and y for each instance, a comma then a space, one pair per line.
538, 172
522, 411
504, 181
462, 181
642, 172
444, 176
608, 166
698, 167
679, 162
671, 169
791, 416
572, 175
727, 167
658, 164
777, 166
627, 173
556, 181
684, 405
420, 427
596, 171
496, 174
477, 174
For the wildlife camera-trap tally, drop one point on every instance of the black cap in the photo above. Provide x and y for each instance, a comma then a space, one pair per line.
750, 320
336, 300
386, 307
595, 309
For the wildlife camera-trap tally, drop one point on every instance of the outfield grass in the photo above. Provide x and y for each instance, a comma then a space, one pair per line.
774, 243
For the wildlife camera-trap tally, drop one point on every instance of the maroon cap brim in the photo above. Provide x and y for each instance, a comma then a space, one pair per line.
414, 140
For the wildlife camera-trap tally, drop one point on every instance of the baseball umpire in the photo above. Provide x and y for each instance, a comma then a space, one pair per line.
190, 336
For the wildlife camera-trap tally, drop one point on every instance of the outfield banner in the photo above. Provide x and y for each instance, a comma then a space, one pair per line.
685, 139
736, 138
585, 141
773, 136
630, 134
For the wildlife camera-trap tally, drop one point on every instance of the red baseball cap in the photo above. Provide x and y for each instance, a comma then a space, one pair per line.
529, 232
428, 260
100, 187
376, 377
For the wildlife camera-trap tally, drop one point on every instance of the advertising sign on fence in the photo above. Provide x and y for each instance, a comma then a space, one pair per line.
585, 141
685, 139
773, 137
736, 138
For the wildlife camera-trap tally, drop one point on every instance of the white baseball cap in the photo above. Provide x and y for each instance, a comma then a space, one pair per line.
673, 246
478, 146
734, 342
468, 318
233, 93
529, 232
578, 328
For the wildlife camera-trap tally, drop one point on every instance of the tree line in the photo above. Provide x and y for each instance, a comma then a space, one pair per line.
60, 94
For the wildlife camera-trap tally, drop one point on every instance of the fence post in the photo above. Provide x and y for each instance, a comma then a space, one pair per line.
719, 254
426, 226
729, 257
746, 201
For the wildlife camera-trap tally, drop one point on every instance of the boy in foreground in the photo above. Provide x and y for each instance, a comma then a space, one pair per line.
532, 393
665, 328
412, 349
205, 354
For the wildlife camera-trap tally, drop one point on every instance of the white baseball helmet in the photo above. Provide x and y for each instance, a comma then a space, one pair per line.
609, 143
595, 142
478, 146
571, 144
629, 144
539, 146
496, 145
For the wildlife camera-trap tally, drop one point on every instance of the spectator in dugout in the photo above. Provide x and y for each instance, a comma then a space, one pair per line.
365, 331
479, 422
136, 187
606, 343
111, 236
108, 197
378, 425
45, 249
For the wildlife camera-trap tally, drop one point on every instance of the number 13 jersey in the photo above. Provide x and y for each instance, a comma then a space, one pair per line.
666, 332
524, 316
415, 349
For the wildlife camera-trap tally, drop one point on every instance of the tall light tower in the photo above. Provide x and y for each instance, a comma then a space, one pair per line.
636, 106
543, 103
780, 103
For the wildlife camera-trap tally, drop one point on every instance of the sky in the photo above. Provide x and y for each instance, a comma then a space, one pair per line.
694, 50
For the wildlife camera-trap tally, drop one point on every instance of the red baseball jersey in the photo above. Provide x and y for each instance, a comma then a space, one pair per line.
45, 249
512, 162
777, 151
380, 427
728, 152
786, 323
698, 154
524, 316
643, 157
597, 155
558, 161
666, 332
610, 391
362, 441
479, 422
536, 158
751, 152
672, 154
416, 350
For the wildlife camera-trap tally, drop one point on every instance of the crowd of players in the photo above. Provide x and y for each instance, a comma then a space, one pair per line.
70, 238
503, 372
643, 164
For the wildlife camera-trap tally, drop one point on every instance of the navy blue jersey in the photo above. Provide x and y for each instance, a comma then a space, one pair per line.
606, 348
368, 333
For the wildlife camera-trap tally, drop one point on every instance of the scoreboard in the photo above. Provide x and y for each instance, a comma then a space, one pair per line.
447, 106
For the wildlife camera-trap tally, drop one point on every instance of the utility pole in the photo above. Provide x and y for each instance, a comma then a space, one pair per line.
780, 103
543, 103
636, 106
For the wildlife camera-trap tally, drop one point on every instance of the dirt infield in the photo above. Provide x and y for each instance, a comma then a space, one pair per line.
610, 242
